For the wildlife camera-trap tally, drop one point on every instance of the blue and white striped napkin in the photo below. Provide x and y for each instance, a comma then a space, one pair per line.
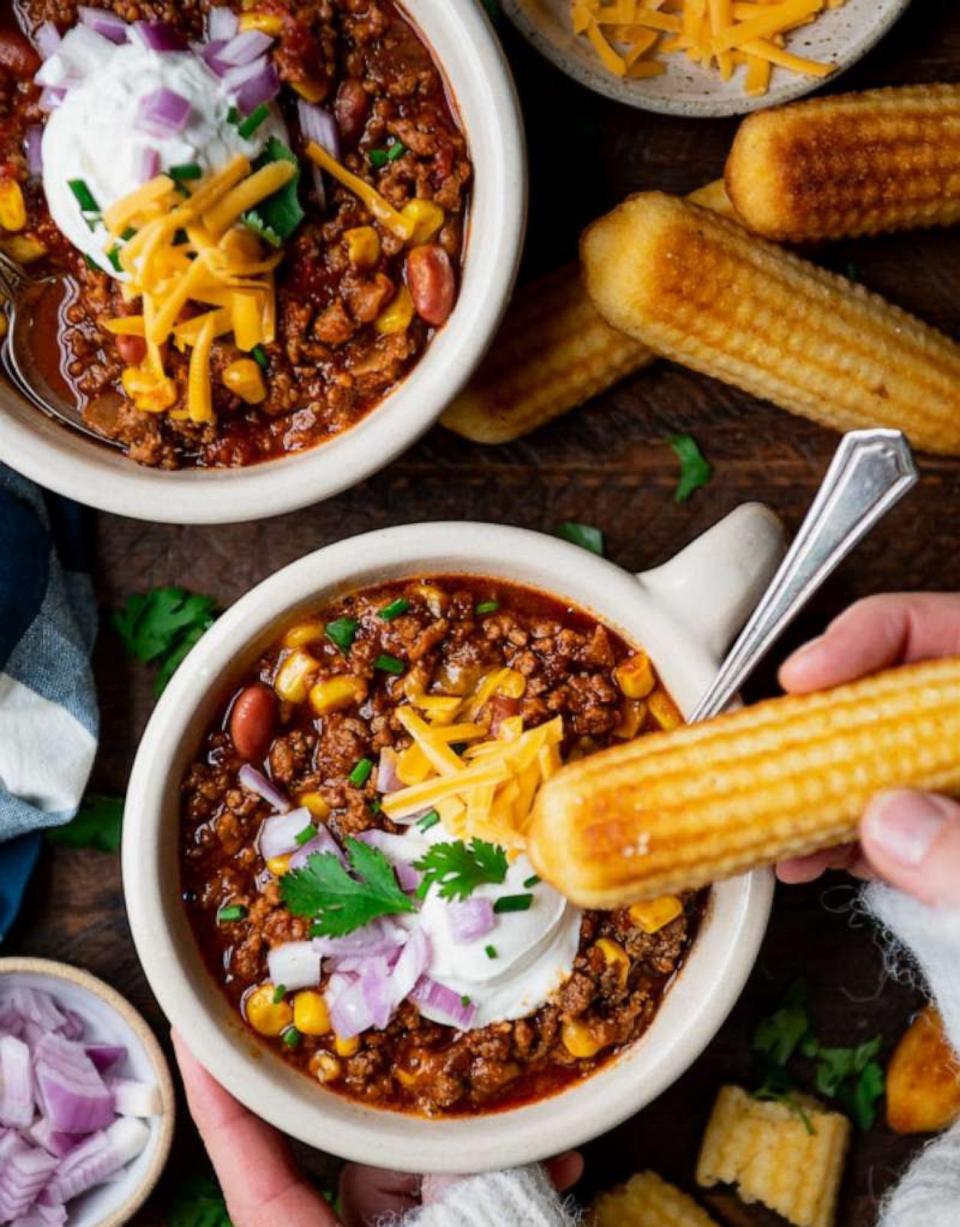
48, 707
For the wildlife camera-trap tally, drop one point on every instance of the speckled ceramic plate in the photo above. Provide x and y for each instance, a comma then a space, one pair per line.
839, 36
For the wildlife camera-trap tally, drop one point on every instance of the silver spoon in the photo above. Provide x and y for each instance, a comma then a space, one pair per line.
23, 296
870, 472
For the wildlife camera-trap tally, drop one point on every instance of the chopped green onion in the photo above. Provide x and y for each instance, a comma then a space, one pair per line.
291, 1037
490, 952
486, 607
187, 170
513, 903
429, 820
464, 1001
85, 198
342, 632
253, 121
695, 469
304, 836
279, 993
91, 263
233, 116
584, 535
361, 772
113, 255
378, 158
394, 609
396, 150
534, 881
260, 356
389, 664
236, 911
376, 806
128, 234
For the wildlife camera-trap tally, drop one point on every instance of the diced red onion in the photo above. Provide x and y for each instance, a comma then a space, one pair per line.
73, 1027
253, 84
375, 983
99, 1157
51, 98
294, 965
210, 54
134, 1098
412, 818
104, 22
387, 778
222, 23
278, 835
70, 1090
349, 1011
255, 781
158, 36
38, 1007
245, 47
398, 852
24, 1172
43, 1216
56, 1143
149, 168
443, 1004
54, 73
48, 39
470, 919
413, 962
317, 124
322, 842
378, 937
162, 113
16, 1083
105, 1056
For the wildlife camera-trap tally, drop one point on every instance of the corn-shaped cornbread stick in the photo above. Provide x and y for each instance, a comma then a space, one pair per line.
828, 168
702, 290
554, 351
673, 811
647, 1201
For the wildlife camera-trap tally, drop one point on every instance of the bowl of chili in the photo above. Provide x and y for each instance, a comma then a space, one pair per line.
272, 278
318, 702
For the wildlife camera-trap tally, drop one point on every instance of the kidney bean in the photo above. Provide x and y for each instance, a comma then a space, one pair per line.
252, 722
432, 285
16, 54
350, 108
133, 350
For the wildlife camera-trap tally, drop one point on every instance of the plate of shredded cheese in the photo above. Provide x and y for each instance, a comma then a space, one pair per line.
704, 57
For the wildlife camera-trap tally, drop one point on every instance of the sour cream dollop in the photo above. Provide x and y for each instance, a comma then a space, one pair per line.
92, 135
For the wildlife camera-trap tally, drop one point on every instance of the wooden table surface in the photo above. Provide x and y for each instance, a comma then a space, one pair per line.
606, 464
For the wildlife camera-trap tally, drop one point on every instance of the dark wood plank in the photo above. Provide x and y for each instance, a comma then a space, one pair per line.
606, 464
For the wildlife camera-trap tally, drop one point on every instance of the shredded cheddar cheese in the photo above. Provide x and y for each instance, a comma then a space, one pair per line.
630, 37
193, 254
488, 789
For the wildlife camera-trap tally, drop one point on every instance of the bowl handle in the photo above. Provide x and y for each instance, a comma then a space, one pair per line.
712, 585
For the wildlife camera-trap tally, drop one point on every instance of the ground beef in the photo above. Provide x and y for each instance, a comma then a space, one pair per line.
444, 646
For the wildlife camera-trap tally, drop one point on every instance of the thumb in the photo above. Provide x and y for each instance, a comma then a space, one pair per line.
912, 839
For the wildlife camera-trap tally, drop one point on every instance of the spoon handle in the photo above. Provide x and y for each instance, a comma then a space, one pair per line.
870, 472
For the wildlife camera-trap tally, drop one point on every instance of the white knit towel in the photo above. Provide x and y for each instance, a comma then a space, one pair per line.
929, 1194
521, 1197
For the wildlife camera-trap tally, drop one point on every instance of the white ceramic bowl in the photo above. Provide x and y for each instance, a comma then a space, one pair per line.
94, 473
109, 1019
684, 613
838, 36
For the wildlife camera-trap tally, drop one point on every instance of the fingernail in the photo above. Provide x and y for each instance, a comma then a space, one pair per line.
905, 825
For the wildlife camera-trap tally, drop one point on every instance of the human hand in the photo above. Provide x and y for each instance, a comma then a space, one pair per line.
911, 839
264, 1187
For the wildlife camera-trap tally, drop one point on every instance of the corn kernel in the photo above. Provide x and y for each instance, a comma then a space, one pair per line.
363, 246
664, 710
313, 91
23, 249
279, 865
244, 378
333, 693
265, 1015
579, 1040
325, 1067
295, 676
315, 804
614, 956
347, 1048
635, 676
655, 914
396, 317
310, 1013
13, 211
405, 1078
268, 23
303, 633
149, 392
428, 218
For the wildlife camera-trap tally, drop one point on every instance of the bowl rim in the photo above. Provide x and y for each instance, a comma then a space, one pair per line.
55, 970
695, 108
98, 475
737, 915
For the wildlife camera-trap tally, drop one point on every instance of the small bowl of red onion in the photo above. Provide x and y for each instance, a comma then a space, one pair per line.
86, 1100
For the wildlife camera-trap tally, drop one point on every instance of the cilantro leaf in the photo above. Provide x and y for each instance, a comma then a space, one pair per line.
585, 535
457, 869
859, 1099
161, 626
695, 469
276, 218
778, 1036
337, 902
198, 1203
97, 824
